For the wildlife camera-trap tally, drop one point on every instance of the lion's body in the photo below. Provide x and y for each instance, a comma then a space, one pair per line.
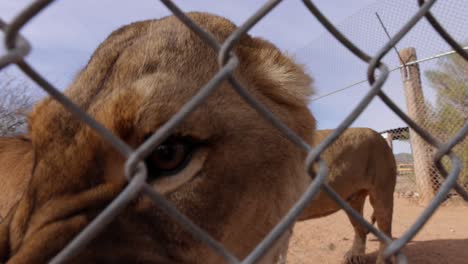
16, 159
135, 81
360, 164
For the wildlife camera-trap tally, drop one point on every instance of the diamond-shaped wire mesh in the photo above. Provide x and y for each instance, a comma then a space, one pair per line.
17, 48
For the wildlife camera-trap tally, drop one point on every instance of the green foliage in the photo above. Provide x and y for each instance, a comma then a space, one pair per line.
450, 111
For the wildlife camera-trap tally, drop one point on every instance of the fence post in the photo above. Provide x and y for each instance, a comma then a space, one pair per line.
416, 109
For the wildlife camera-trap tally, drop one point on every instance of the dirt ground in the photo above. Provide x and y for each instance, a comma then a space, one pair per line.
444, 239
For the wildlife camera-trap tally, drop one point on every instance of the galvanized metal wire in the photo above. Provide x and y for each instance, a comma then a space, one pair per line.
18, 48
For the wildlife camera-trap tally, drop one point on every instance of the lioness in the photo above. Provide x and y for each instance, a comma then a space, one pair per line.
225, 166
361, 164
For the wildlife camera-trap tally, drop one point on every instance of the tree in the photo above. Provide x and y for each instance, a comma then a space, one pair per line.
15, 103
449, 113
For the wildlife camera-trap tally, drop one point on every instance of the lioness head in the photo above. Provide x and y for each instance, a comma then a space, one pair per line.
224, 167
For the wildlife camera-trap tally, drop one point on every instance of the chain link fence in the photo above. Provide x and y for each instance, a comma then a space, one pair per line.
377, 72
437, 99
448, 113
442, 117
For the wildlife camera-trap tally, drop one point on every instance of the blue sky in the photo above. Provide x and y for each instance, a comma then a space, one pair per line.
64, 36
68, 31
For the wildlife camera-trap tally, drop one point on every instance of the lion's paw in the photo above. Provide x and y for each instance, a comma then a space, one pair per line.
354, 259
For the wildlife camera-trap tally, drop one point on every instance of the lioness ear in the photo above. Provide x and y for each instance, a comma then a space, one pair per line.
274, 73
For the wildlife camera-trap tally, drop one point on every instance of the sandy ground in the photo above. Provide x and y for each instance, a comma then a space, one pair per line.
444, 239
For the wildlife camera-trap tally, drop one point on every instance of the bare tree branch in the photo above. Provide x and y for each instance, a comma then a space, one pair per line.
15, 103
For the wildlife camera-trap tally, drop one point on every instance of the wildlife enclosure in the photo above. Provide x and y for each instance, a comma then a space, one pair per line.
428, 80
436, 121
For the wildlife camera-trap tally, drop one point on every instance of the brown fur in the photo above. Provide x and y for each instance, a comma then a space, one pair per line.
361, 164
135, 81
16, 159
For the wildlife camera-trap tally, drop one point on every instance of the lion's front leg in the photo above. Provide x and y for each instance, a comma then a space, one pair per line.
356, 255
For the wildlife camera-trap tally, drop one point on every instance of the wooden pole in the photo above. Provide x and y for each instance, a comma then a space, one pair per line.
416, 109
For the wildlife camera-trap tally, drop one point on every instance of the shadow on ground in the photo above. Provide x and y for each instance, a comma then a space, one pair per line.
445, 251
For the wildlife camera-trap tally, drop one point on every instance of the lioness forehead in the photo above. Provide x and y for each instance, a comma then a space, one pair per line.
164, 46
141, 64
155, 66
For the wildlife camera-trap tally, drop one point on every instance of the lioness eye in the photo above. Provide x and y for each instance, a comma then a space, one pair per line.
170, 157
